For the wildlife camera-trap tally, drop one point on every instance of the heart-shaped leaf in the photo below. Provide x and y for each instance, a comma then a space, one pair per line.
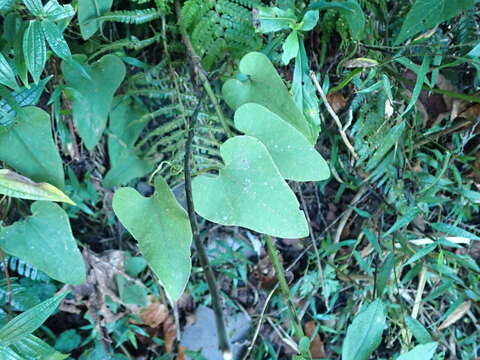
15, 185
92, 98
28, 146
45, 241
125, 128
162, 229
295, 157
262, 85
249, 192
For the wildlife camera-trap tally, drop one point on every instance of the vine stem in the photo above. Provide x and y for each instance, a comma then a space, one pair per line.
283, 284
223, 342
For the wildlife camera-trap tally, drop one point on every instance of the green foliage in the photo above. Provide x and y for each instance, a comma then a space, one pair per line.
249, 192
364, 334
45, 240
92, 98
420, 352
162, 230
88, 13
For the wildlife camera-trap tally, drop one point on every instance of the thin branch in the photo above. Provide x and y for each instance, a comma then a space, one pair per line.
223, 342
334, 116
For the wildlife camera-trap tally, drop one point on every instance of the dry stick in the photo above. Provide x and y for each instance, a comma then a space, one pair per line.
282, 282
9, 284
334, 116
223, 342
201, 73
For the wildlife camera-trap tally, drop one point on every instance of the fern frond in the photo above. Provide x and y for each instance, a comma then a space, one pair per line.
131, 16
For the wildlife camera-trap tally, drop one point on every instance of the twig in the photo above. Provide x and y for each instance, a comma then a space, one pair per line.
201, 73
223, 342
284, 289
333, 115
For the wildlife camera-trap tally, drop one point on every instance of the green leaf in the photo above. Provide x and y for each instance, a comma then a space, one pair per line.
454, 230
162, 229
88, 12
290, 47
403, 221
28, 147
388, 142
352, 12
418, 330
421, 253
57, 12
365, 333
7, 76
31, 347
45, 241
309, 20
421, 78
420, 352
426, 14
18, 186
262, 85
249, 192
124, 129
303, 91
34, 6
294, 156
384, 274
92, 98
55, 39
27, 322
34, 49
130, 292
274, 19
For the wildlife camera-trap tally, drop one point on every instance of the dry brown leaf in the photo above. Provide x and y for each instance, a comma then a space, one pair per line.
154, 314
459, 312
181, 353
317, 348
336, 101
169, 333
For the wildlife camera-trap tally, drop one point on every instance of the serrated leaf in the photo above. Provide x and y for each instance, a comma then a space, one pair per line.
162, 229
45, 241
294, 156
365, 332
92, 99
7, 76
420, 352
261, 84
28, 147
249, 192
27, 322
426, 14
34, 49
55, 39
18, 186
88, 13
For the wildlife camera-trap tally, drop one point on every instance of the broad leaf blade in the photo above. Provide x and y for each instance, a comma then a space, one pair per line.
28, 147
420, 352
249, 192
18, 186
55, 39
7, 76
32, 347
45, 241
365, 333
27, 322
162, 229
88, 12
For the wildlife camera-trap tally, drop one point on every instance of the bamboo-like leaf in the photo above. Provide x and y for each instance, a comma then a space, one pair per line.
35, 49
27, 322
18, 186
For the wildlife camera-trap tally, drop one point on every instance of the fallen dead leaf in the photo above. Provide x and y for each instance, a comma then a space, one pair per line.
336, 101
459, 312
181, 353
317, 348
169, 333
154, 314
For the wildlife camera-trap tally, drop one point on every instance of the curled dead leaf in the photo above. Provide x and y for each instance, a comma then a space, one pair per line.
336, 101
317, 348
154, 314
459, 312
